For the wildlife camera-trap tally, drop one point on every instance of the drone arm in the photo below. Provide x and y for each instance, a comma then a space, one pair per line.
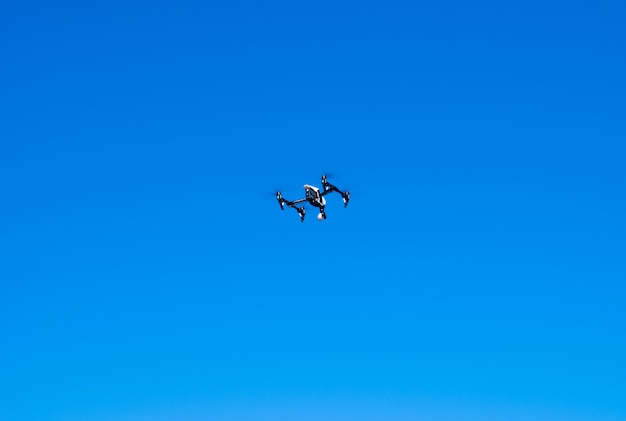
282, 201
329, 188
292, 204
295, 202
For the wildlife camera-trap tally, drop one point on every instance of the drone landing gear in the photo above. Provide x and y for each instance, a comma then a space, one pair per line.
329, 188
301, 210
282, 202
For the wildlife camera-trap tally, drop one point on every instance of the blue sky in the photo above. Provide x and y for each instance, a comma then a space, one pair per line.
148, 274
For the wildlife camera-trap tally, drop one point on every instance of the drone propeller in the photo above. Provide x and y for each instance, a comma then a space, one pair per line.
328, 175
325, 177
270, 193
279, 198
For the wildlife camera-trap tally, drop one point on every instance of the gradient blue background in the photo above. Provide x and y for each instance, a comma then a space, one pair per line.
147, 273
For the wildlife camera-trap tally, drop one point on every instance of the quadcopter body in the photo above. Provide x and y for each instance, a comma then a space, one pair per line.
315, 197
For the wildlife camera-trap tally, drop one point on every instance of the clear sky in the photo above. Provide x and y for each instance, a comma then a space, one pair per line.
146, 272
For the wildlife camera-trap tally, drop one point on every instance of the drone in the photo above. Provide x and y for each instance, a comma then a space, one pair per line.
315, 197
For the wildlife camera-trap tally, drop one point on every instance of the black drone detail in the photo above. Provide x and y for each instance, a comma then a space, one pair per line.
315, 197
